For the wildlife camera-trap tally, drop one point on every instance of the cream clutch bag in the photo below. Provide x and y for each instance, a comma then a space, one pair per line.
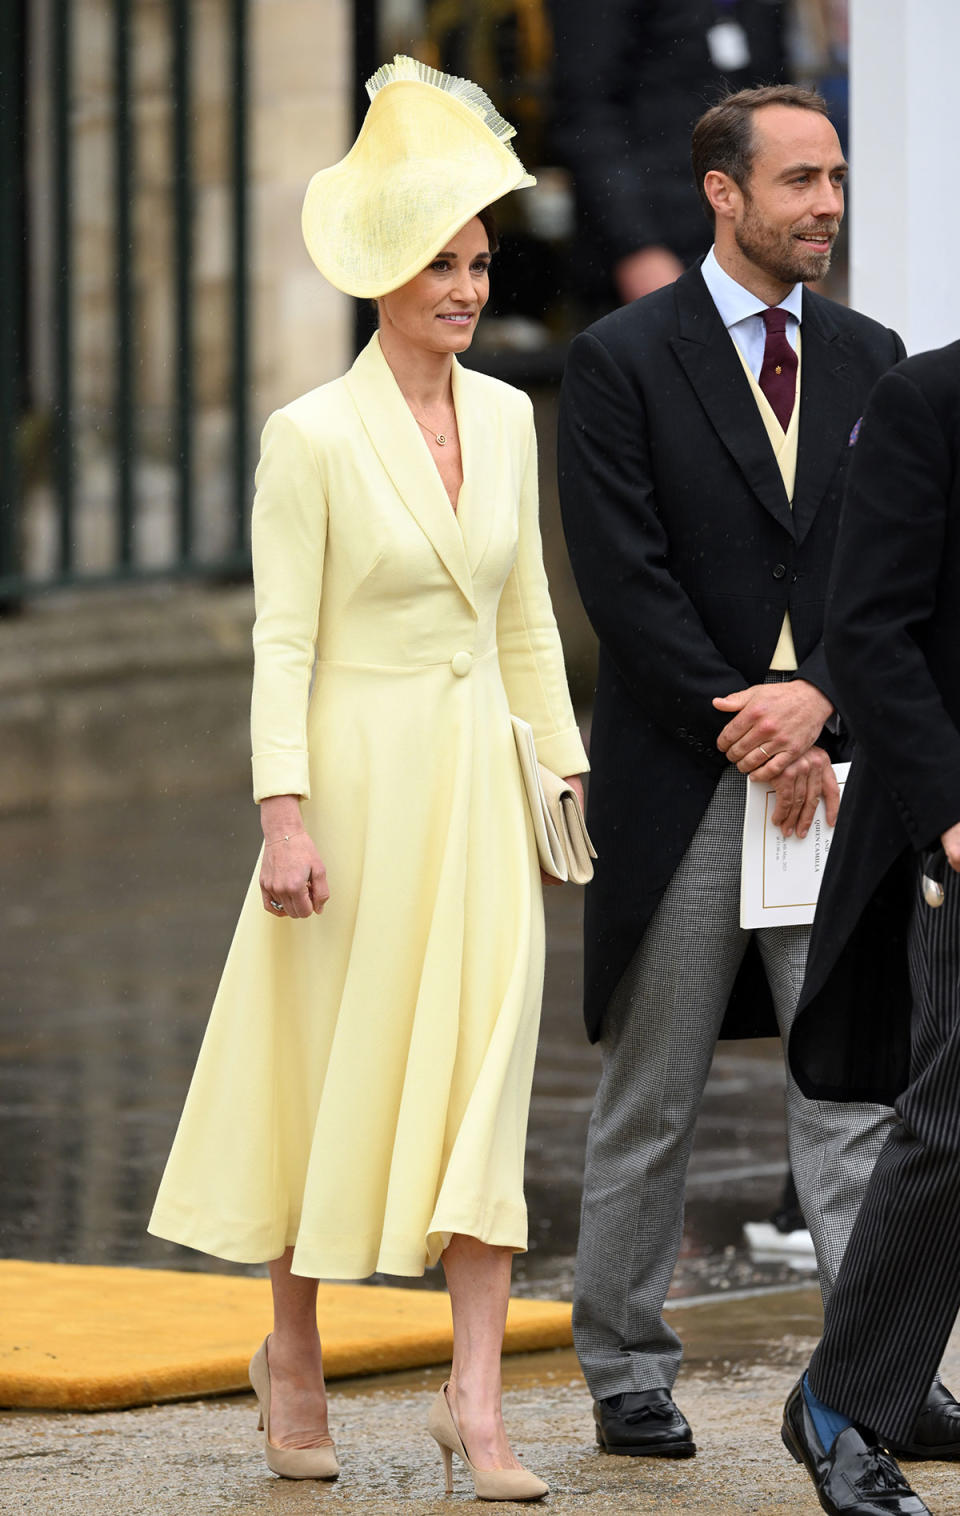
563, 842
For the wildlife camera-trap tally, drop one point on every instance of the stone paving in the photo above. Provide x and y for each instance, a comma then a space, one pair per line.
203, 1457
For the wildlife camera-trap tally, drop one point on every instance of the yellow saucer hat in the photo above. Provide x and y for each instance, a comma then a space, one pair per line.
432, 152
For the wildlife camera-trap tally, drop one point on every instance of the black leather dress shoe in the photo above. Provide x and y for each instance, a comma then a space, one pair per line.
936, 1431
856, 1477
643, 1424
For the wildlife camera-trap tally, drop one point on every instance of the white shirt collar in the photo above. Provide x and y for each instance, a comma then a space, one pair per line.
735, 303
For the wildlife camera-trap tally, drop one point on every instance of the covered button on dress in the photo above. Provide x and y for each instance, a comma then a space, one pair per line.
363, 1085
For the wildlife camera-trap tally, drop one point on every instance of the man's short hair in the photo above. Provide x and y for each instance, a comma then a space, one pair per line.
723, 138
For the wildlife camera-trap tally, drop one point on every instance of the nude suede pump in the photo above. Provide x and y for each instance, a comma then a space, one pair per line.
489, 1484
291, 1463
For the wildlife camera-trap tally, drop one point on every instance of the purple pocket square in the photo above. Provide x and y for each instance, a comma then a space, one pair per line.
855, 433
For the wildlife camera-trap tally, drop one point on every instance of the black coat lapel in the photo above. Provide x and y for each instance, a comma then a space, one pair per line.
712, 365
825, 414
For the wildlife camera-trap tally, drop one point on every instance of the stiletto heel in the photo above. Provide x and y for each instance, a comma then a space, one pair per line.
292, 1463
488, 1484
447, 1457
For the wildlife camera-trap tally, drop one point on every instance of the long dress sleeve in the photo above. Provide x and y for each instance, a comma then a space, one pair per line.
531, 656
288, 538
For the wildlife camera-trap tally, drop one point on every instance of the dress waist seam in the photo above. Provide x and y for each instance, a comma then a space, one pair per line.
397, 668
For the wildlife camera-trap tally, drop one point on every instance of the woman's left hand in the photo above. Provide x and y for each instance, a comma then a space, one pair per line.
576, 784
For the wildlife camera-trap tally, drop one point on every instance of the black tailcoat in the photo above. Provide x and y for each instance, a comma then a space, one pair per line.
687, 554
893, 645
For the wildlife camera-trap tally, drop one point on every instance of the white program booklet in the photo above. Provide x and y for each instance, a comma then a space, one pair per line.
780, 876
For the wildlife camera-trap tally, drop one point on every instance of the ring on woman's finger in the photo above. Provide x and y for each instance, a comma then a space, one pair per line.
275, 904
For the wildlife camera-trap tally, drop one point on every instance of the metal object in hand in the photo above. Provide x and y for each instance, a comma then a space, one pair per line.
934, 873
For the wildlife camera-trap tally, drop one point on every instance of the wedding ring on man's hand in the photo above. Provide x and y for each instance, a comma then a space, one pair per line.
277, 906
764, 751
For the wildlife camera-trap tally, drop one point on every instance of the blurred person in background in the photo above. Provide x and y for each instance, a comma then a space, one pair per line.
630, 79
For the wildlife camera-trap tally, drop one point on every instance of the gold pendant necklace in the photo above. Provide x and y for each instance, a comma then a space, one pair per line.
440, 438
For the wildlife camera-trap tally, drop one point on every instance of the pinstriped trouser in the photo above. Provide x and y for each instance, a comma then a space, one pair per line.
898, 1292
657, 1043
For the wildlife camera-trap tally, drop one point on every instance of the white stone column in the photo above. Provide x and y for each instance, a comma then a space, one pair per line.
302, 93
905, 228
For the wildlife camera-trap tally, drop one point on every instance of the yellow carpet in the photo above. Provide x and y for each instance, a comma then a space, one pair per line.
97, 1339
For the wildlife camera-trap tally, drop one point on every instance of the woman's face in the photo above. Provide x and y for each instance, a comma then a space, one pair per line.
438, 310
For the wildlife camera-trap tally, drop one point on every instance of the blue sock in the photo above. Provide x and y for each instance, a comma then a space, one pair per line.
828, 1423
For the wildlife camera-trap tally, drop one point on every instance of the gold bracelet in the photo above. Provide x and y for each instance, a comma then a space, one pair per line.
285, 838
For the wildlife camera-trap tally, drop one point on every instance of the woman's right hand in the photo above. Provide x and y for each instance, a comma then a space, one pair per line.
292, 876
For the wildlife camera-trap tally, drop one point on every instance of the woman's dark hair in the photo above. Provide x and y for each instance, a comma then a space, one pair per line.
489, 223
723, 137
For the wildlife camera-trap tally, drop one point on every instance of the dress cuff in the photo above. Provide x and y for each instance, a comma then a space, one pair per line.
563, 753
281, 774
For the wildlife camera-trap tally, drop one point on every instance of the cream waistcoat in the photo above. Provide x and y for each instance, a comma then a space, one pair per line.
784, 444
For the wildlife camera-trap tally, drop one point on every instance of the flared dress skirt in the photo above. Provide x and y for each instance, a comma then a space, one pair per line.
363, 1086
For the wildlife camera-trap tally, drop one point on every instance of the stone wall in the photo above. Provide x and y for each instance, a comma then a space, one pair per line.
125, 694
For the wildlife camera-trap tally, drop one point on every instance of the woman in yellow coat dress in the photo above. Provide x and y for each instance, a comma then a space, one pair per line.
360, 1100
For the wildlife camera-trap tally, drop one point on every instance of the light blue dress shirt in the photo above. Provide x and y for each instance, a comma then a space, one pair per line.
742, 313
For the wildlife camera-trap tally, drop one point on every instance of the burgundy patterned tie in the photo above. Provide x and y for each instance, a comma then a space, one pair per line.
778, 376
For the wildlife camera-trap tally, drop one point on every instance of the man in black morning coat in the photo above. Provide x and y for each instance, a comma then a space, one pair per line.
700, 513
879, 1017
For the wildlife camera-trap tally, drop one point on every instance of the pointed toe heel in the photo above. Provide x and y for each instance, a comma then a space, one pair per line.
488, 1484
290, 1463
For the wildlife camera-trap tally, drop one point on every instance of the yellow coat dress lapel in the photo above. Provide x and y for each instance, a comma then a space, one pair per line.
482, 442
398, 443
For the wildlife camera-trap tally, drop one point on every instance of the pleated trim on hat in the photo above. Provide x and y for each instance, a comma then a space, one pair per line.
464, 90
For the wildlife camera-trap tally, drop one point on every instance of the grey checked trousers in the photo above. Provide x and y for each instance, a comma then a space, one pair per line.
658, 1041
